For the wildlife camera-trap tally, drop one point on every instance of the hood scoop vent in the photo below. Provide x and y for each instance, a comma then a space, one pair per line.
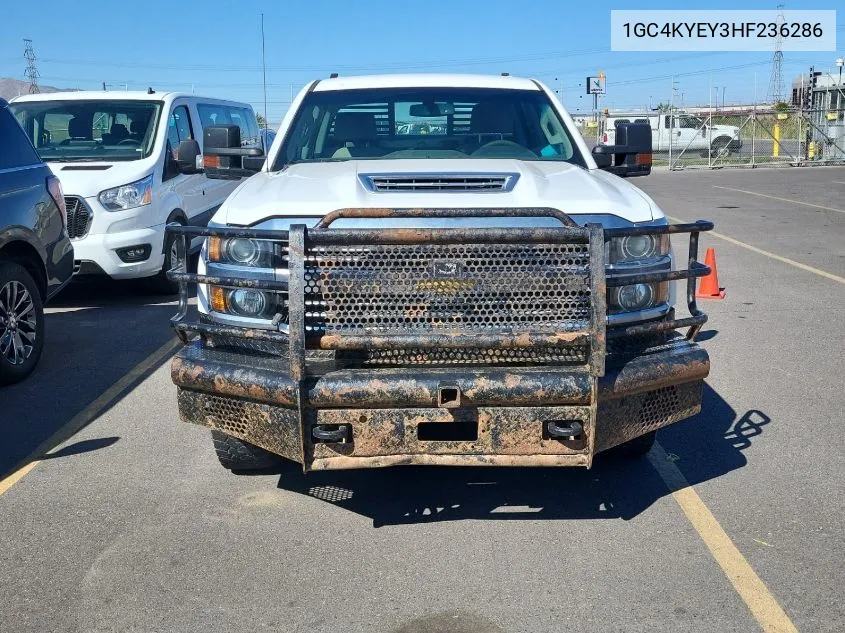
86, 167
443, 183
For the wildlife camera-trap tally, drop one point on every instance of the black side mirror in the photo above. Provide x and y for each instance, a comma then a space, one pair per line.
225, 158
186, 157
631, 155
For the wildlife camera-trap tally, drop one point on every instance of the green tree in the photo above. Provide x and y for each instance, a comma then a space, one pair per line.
261, 122
781, 106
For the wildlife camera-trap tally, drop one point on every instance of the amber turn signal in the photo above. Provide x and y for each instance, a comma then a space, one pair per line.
214, 246
217, 299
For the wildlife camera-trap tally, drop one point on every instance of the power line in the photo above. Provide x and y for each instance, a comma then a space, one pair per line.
31, 72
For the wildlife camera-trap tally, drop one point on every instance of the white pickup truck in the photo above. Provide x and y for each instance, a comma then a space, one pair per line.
684, 132
433, 269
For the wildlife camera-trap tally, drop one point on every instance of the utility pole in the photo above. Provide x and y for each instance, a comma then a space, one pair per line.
776, 80
264, 70
31, 72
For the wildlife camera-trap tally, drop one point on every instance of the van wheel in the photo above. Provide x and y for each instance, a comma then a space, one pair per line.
160, 283
21, 323
241, 457
635, 448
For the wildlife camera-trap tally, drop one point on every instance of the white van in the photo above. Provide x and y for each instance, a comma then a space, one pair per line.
684, 132
115, 155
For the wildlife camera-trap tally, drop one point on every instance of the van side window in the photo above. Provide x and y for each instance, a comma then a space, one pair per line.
244, 118
179, 127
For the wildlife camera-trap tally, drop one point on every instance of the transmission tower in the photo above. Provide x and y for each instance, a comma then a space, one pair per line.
776, 81
31, 72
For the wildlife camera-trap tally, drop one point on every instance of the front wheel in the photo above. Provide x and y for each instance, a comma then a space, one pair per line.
239, 456
21, 323
160, 283
721, 147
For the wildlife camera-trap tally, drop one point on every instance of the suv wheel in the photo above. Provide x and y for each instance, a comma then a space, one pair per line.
21, 323
240, 456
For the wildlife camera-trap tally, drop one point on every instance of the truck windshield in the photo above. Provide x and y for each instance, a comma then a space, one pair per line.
395, 123
96, 130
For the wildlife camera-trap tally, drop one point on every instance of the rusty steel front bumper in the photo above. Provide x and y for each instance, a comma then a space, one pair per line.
255, 399
356, 389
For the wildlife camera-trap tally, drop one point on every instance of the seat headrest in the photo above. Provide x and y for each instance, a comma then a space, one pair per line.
118, 129
491, 117
78, 128
355, 126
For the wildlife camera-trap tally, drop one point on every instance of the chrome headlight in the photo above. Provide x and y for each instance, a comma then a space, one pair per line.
135, 194
632, 254
247, 302
632, 248
243, 252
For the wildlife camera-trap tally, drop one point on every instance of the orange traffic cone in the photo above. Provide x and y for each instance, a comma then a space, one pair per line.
709, 285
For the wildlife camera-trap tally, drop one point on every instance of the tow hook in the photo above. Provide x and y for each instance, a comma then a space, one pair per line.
332, 433
569, 429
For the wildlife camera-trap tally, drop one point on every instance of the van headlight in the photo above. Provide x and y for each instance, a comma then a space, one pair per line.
135, 194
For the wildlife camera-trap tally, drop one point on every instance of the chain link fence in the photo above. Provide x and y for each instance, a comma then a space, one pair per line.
756, 137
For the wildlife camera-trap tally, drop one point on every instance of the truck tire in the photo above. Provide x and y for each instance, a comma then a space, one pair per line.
240, 456
635, 448
21, 323
721, 146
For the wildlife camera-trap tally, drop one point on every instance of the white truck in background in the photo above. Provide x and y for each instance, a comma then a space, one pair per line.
684, 132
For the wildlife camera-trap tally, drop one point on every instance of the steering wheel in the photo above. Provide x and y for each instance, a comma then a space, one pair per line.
126, 141
504, 147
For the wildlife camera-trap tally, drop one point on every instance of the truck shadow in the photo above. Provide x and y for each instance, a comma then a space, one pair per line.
95, 334
704, 447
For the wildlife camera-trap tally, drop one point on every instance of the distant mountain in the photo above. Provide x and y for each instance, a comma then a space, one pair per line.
12, 88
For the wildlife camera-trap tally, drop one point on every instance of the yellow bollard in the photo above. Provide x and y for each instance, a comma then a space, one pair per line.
776, 146
811, 150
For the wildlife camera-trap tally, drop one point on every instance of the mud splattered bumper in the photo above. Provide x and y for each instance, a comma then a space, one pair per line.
387, 415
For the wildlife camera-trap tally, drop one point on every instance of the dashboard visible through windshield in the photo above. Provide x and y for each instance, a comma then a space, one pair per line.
395, 123
94, 130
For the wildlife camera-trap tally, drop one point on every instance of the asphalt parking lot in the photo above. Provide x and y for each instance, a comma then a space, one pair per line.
129, 524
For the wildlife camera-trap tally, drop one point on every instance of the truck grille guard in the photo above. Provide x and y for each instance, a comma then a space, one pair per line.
530, 288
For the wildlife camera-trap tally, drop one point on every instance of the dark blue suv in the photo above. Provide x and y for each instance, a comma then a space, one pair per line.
36, 256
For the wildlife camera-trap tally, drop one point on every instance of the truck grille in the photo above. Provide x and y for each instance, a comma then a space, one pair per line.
397, 290
78, 217
430, 182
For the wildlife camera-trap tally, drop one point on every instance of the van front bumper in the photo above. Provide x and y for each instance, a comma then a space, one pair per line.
384, 411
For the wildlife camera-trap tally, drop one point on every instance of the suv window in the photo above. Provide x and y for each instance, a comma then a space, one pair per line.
16, 150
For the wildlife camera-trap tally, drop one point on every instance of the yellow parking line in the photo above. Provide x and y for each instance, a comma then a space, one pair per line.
765, 195
89, 413
763, 606
785, 260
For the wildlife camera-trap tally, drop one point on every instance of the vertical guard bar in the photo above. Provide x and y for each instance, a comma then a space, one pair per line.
691, 281
598, 292
181, 265
296, 300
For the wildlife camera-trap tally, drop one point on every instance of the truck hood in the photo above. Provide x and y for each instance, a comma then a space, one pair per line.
314, 189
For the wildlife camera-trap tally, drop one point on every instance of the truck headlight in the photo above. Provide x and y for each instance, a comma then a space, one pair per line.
245, 302
637, 247
135, 194
636, 297
242, 252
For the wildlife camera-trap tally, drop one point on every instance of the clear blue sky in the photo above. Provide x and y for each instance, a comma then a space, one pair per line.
214, 46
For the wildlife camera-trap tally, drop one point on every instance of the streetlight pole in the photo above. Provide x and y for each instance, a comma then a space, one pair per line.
840, 62
723, 97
